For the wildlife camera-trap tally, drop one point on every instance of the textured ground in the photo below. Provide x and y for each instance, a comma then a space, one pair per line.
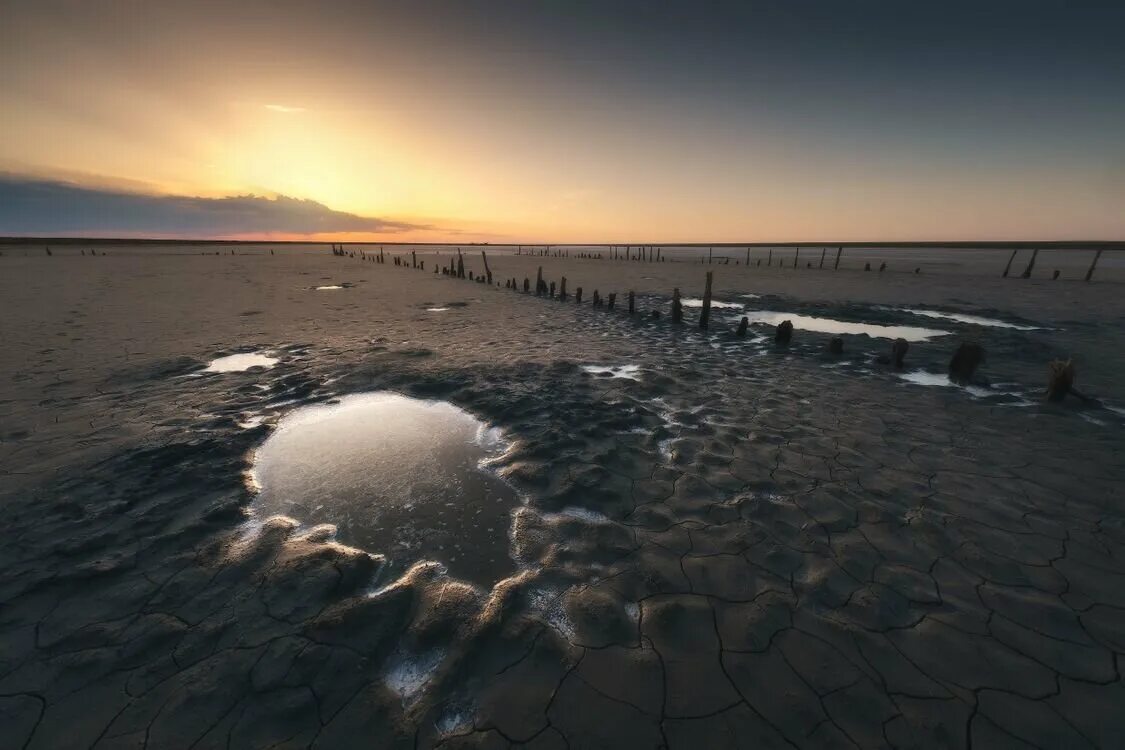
745, 546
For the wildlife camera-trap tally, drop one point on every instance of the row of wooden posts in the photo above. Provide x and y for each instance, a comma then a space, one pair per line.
962, 366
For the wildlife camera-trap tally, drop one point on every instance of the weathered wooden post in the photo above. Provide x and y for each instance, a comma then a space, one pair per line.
562, 290
551, 292
612, 300
596, 300
1031, 264
898, 352
769, 262
742, 326
422, 265
1093, 265
796, 257
705, 313
1008, 267
527, 285
487, 270
1060, 379
632, 300
748, 256
578, 296
784, 332
836, 346
677, 307
822, 254
966, 359
710, 252
838, 251
882, 266
413, 259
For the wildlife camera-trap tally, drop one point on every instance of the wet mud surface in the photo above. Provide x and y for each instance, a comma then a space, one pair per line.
717, 542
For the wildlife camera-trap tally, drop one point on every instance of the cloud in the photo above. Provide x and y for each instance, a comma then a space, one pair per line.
283, 108
38, 207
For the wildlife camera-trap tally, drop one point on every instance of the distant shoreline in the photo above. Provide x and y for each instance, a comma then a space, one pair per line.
960, 244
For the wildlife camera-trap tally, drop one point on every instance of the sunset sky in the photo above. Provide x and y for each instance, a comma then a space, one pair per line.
561, 121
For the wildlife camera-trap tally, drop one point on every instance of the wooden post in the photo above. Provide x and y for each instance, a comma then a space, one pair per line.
413, 259
1008, 267
460, 264
632, 299
770, 261
966, 359
1093, 265
487, 270
677, 307
596, 300
710, 252
838, 251
796, 257
822, 254
612, 300
1031, 264
539, 282
526, 285
898, 352
578, 296
705, 313
784, 332
748, 257
551, 292
1060, 379
562, 290
742, 325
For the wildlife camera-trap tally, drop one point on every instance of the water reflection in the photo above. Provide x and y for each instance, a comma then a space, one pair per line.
240, 362
966, 318
831, 325
395, 475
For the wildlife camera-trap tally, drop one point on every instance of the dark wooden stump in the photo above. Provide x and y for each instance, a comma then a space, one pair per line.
898, 352
578, 296
551, 292
742, 326
677, 306
562, 290
784, 332
836, 346
1060, 379
966, 359
612, 300
1030, 264
539, 282
526, 285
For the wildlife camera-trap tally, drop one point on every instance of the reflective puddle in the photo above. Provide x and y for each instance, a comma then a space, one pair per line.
696, 302
966, 318
327, 287
631, 372
240, 362
831, 325
397, 476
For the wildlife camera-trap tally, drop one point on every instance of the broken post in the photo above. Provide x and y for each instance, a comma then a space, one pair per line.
784, 332
898, 352
747, 256
1030, 264
1008, 267
677, 306
1060, 379
562, 290
769, 262
551, 293
742, 326
612, 300
1093, 265
822, 254
966, 359
596, 300
487, 270
413, 259
838, 251
578, 296
796, 257
526, 285
539, 282
460, 264
705, 313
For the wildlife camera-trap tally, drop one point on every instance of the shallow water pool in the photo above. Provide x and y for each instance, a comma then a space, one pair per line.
831, 325
397, 476
240, 362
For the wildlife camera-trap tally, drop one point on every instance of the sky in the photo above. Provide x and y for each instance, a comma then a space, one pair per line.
623, 121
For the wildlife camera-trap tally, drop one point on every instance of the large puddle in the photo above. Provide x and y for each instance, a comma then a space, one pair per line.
831, 325
395, 475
